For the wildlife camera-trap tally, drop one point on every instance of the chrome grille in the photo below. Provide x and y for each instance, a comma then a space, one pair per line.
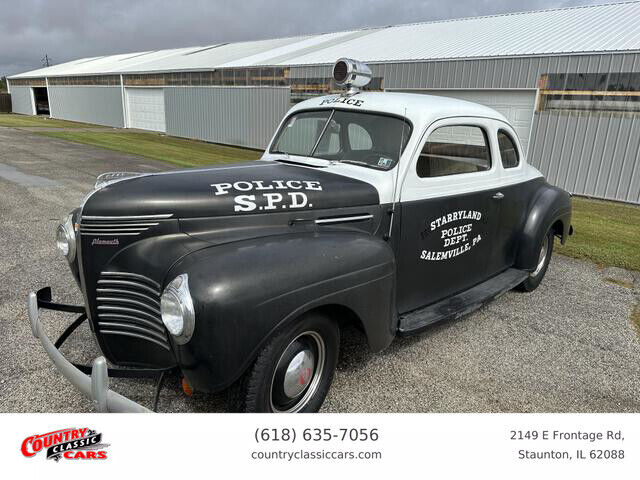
128, 304
119, 225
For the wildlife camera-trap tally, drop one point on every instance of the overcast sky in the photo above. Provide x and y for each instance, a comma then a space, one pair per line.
70, 29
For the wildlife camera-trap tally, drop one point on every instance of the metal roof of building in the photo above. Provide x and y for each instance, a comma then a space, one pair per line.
592, 28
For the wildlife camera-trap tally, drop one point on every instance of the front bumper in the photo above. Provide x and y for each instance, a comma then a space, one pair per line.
96, 386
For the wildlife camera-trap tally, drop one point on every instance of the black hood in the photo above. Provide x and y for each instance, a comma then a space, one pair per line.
239, 189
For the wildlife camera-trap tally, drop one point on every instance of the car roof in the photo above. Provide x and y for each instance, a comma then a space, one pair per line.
417, 107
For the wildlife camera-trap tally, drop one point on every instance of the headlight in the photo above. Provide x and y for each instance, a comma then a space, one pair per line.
176, 309
66, 238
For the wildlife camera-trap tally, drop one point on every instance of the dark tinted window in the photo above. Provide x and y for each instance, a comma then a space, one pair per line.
508, 150
454, 150
614, 91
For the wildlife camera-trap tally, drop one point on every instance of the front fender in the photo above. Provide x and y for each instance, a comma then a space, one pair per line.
550, 208
244, 290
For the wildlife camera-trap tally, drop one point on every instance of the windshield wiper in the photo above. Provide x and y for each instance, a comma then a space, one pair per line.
293, 162
324, 129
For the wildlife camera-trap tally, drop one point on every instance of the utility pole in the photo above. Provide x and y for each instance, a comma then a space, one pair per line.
46, 61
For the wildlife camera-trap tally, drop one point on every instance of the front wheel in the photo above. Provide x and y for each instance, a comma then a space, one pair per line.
544, 257
294, 371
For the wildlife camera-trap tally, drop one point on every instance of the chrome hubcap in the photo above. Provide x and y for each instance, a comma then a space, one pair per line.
542, 257
298, 373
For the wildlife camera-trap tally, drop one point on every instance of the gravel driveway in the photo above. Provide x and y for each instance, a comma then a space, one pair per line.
569, 346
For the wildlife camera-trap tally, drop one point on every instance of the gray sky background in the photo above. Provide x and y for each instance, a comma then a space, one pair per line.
71, 29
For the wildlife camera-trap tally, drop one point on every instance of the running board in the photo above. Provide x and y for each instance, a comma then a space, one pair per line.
462, 303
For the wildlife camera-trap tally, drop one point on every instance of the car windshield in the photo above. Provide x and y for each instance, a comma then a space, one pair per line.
367, 139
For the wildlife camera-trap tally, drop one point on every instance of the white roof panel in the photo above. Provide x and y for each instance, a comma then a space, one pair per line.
593, 28
110, 64
290, 50
215, 57
597, 28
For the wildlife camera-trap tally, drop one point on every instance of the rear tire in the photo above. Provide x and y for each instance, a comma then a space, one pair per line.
544, 257
293, 372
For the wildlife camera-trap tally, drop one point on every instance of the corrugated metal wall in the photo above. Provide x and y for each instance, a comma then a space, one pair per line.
99, 105
245, 116
21, 100
517, 72
588, 153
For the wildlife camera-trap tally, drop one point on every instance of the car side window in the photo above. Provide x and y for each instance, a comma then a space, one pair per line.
453, 150
508, 150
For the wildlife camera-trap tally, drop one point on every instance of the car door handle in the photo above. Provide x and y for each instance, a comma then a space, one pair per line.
498, 196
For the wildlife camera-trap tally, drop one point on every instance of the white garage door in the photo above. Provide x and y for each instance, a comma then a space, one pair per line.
516, 105
145, 108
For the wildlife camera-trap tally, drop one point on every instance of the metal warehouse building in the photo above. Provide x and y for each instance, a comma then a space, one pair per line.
568, 80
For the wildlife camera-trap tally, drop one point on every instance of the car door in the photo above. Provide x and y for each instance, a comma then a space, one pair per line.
516, 195
449, 216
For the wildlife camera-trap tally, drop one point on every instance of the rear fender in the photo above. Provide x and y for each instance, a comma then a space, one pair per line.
550, 208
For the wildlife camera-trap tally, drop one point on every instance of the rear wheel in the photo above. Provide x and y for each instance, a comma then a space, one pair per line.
293, 372
544, 257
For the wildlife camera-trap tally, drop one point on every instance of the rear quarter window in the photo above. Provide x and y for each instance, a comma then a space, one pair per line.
508, 150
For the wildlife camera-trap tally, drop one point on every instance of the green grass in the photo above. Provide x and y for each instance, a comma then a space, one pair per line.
607, 233
179, 151
14, 120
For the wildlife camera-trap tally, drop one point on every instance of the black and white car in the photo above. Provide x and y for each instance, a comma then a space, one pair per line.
388, 211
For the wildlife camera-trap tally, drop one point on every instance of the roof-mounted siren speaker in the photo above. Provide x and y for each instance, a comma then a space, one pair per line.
351, 74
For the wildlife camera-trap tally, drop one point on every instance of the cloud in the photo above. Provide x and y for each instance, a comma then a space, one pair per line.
69, 29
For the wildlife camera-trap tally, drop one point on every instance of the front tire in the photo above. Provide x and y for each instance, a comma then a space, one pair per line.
544, 257
293, 372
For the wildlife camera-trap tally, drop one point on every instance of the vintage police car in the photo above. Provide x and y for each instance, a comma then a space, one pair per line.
388, 211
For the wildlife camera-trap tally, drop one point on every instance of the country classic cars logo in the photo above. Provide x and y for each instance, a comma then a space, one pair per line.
70, 443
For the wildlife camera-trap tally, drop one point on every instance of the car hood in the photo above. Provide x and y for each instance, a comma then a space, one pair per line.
239, 189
